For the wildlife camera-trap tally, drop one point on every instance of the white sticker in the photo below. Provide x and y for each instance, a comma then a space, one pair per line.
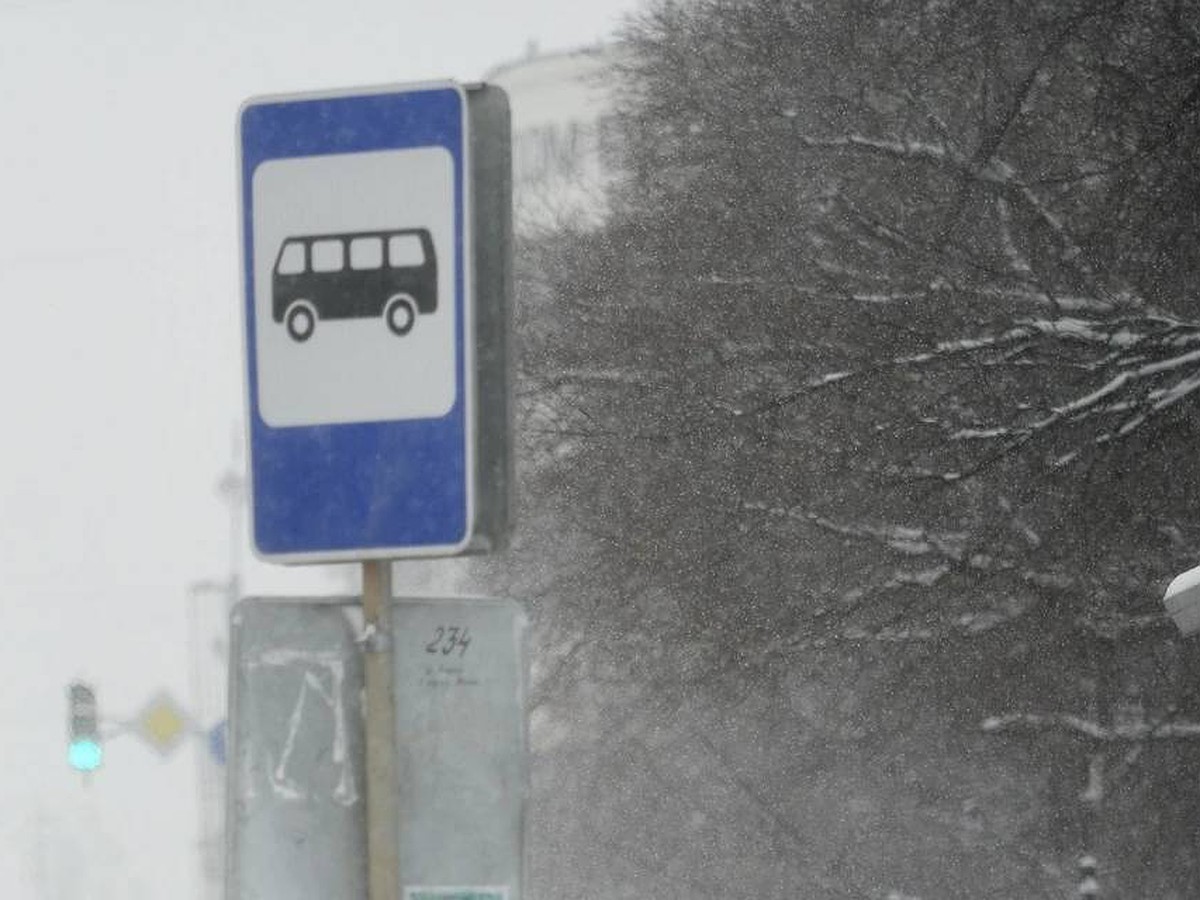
455, 893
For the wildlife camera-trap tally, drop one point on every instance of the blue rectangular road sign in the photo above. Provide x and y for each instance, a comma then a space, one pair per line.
356, 270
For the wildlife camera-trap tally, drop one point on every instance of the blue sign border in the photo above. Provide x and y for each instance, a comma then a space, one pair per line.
369, 489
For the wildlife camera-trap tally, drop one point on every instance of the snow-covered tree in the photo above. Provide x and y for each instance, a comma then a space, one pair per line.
885, 365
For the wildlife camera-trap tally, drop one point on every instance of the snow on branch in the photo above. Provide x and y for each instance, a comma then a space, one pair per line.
967, 625
1134, 392
1016, 259
898, 148
998, 174
905, 540
1136, 731
1148, 363
1113, 628
971, 624
887, 294
936, 556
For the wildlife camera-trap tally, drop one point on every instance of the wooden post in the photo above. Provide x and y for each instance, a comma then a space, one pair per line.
383, 848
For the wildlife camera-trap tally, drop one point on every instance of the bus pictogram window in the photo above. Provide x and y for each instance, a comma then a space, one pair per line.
405, 250
366, 253
328, 256
291, 259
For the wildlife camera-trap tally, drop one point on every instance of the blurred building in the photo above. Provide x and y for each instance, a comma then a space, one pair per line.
563, 140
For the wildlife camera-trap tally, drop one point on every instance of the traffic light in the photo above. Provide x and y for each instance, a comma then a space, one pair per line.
84, 752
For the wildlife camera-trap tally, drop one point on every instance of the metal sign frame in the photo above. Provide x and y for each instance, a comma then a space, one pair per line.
339, 491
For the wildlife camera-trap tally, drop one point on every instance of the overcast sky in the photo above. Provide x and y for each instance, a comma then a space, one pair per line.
120, 356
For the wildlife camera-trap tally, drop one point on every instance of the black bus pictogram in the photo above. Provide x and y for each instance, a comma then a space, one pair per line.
361, 275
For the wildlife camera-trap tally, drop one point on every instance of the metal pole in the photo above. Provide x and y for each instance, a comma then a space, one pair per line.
383, 849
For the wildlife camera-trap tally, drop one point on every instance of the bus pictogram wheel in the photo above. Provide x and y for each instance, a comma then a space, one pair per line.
400, 313
301, 321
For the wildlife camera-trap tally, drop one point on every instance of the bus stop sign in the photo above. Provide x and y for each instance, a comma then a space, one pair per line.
356, 247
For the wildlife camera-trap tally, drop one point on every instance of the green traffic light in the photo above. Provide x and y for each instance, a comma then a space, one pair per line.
85, 755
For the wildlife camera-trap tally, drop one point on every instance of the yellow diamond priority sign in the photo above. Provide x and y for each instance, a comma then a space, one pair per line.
162, 724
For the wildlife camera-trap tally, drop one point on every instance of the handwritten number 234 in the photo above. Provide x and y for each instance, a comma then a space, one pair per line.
448, 638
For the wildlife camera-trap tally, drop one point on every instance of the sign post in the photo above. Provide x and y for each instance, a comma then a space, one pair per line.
383, 855
376, 246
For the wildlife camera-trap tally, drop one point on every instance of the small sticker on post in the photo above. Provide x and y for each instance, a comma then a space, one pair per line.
456, 893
